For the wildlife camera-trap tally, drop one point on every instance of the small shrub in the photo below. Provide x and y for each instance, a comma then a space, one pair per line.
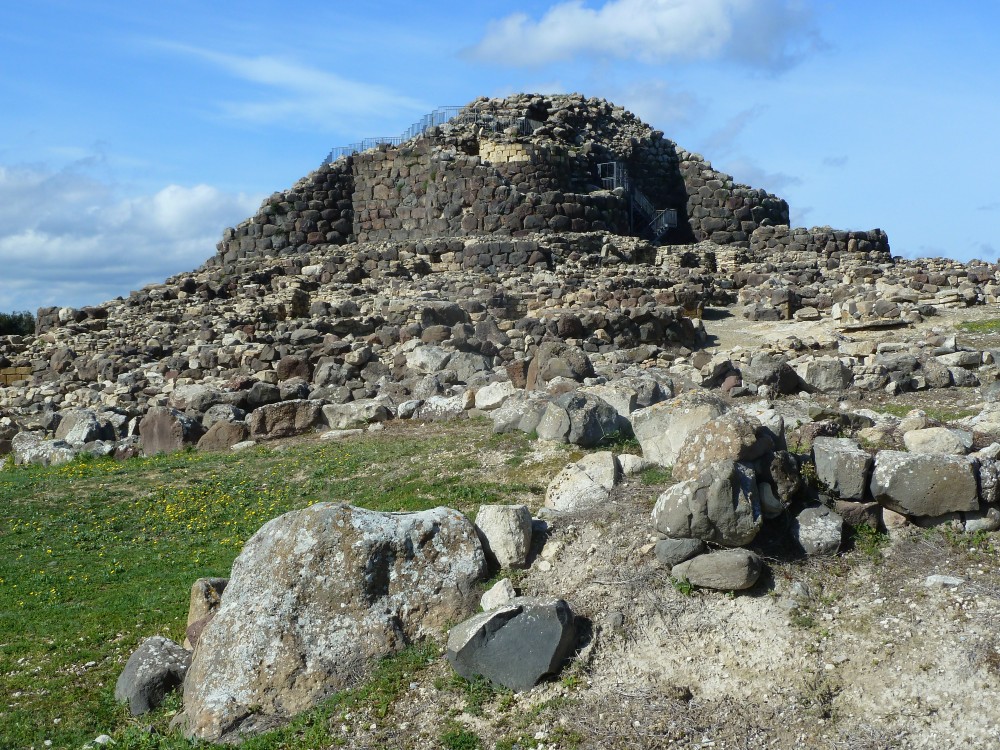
457, 737
656, 475
870, 542
683, 586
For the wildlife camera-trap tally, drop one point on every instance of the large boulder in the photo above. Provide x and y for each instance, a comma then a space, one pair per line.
627, 395
505, 531
80, 426
223, 435
313, 596
33, 448
554, 359
662, 429
514, 645
818, 531
720, 505
938, 440
725, 570
842, 466
924, 484
522, 411
284, 419
427, 359
585, 483
155, 668
578, 418
165, 430
356, 413
493, 395
731, 437
825, 374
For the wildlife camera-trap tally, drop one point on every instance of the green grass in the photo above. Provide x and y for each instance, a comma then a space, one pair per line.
656, 475
96, 555
990, 325
870, 542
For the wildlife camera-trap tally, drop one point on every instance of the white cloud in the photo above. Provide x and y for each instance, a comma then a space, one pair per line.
748, 172
659, 104
70, 239
765, 34
300, 95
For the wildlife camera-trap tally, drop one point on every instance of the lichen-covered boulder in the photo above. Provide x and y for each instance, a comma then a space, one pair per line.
313, 596
842, 467
585, 483
284, 419
155, 668
662, 429
578, 418
924, 484
732, 436
720, 505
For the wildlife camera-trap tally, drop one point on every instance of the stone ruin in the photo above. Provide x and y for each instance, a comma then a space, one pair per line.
498, 270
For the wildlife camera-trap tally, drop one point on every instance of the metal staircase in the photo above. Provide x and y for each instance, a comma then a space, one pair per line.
613, 175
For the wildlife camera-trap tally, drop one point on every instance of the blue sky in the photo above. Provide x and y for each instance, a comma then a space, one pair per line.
134, 133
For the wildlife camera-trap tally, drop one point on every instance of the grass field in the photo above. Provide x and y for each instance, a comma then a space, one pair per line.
97, 555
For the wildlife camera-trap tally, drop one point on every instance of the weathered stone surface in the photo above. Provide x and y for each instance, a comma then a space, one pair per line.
196, 398
730, 437
79, 426
626, 395
720, 505
284, 419
155, 668
492, 396
672, 552
165, 430
725, 570
938, 440
818, 531
505, 532
773, 370
354, 413
223, 435
206, 596
842, 466
33, 448
579, 419
584, 484
428, 359
522, 411
499, 595
924, 484
557, 359
315, 594
515, 645
663, 429
825, 374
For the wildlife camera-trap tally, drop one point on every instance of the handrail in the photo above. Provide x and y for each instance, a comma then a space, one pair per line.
487, 119
614, 174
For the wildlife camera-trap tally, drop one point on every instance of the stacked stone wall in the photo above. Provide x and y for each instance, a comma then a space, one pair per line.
819, 245
317, 210
722, 211
418, 192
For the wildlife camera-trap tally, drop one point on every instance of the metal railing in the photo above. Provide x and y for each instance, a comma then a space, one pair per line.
487, 119
614, 174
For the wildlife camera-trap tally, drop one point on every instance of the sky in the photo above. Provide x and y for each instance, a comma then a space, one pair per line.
133, 133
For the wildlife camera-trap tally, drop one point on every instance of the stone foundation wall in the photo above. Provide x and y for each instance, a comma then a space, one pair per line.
831, 247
